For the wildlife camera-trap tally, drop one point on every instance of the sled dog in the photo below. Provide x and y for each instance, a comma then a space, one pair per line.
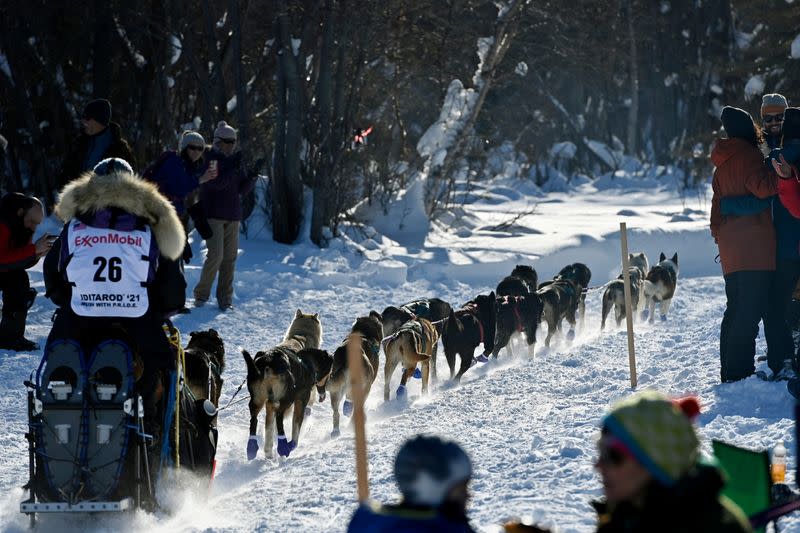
471, 325
514, 315
660, 285
522, 280
415, 342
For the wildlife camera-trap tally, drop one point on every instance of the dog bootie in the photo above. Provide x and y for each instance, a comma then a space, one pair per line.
417, 374
347, 408
645, 315
307, 411
663, 318
571, 335
252, 448
335, 433
402, 393
285, 447
482, 358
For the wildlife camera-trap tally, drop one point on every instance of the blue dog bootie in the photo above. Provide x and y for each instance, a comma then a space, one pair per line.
645, 315
482, 358
402, 393
285, 447
335, 433
347, 408
663, 318
417, 373
252, 447
571, 335
307, 411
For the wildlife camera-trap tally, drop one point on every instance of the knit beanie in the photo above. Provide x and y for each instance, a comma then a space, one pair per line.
658, 432
99, 110
427, 468
773, 103
224, 131
192, 138
738, 123
112, 166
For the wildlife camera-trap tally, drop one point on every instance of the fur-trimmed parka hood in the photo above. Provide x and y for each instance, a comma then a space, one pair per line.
91, 193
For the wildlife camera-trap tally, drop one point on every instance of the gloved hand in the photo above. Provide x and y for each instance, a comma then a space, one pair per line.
187, 253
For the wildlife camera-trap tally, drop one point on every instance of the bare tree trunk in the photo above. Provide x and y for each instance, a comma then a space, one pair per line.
287, 199
633, 110
238, 76
322, 175
217, 74
103, 51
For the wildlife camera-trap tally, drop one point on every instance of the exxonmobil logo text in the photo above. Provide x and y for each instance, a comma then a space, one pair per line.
110, 238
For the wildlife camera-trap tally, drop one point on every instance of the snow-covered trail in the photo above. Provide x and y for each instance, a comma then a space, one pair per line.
529, 424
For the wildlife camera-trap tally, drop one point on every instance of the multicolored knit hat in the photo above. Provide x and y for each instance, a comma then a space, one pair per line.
773, 103
658, 432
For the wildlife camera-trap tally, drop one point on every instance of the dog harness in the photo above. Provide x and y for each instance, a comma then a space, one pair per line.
471, 308
514, 301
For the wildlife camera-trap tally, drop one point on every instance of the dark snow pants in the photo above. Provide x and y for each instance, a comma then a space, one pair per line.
777, 331
748, 296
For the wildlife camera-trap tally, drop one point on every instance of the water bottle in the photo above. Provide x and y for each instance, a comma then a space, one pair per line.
778, 467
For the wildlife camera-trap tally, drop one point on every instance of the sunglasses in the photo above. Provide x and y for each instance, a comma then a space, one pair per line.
773, 118
611, 454
226, 141
195, 148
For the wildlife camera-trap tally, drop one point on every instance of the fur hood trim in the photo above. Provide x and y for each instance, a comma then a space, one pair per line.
91, 193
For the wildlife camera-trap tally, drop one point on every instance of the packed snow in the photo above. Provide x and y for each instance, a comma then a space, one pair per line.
529, 424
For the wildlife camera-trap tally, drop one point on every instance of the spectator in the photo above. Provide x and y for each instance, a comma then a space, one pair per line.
100, 139
778, 334
746, 243
20, 215
135, 238
221, 200
179, 174
652, 478
432, 475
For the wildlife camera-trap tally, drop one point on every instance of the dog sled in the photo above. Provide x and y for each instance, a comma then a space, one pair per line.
88, 446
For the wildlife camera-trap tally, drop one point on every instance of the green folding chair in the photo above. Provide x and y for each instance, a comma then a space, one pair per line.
749, 481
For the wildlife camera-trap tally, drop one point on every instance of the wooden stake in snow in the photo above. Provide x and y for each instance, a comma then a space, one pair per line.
626, 280
355, 365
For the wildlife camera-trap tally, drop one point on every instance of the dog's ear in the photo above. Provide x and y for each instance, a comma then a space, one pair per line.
299, 313
661, 257
375, 314
212, 330
675, 258
491, 295
316, 315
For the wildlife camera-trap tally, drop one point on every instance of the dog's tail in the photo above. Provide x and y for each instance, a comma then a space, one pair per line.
252, 370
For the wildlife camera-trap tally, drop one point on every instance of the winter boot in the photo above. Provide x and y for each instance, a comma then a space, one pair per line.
12, 329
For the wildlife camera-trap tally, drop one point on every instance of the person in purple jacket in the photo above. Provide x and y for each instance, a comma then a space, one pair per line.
221, 200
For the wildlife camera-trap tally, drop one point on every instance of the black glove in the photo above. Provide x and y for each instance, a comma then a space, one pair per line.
187, 253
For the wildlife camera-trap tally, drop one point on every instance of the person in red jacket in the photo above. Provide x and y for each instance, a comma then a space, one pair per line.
746, 243
20, 215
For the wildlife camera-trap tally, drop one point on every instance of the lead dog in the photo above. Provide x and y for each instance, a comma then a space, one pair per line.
368, 331
465, 329
660, 285
560, 300
415, 342
273, 384
516, 314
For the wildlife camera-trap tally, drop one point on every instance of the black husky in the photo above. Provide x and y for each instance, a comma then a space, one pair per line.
432, 309
560, 300
581, 275
370, 333
279, 379
523, 280
516, 314
205, 362
465, 329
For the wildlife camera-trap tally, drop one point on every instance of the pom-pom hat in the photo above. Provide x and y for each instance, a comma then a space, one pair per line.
658, 432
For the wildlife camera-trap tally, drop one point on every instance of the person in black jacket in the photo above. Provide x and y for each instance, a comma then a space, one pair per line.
100, 139
114, 266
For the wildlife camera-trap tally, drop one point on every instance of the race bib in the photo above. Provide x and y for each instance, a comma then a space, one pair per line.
108, 270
